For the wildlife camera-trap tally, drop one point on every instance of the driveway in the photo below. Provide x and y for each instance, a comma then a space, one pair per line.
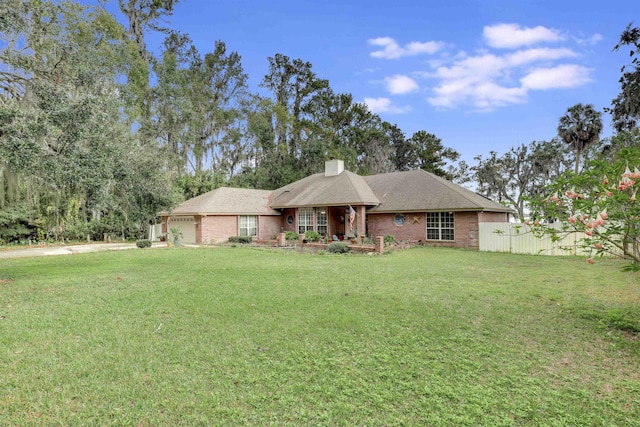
69, 249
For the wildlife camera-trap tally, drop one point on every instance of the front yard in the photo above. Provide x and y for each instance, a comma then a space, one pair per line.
245, 336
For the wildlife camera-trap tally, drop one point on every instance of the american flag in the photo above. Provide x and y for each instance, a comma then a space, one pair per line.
352, 217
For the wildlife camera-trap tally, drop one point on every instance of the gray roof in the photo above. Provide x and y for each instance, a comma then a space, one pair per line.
228, 201
409, 191
347, 188
418, 190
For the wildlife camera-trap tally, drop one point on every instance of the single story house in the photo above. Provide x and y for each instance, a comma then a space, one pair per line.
412, 205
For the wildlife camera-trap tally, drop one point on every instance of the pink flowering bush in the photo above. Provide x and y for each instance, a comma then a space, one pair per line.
602, 203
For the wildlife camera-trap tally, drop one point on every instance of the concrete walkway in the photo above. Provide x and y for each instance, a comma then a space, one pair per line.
69, 249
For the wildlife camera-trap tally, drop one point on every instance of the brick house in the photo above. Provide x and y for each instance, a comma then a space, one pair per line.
412, 205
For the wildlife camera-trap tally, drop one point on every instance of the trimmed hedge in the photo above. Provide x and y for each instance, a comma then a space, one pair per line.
291, 235
311, 236
338, 248
240, 239
144, 243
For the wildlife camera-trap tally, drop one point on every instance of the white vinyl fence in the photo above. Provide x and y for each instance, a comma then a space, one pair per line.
155, 231
518, 239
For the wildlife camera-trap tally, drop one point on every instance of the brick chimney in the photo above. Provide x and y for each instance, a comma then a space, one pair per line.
333, 167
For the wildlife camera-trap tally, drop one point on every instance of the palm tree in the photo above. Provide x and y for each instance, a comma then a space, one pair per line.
579, 127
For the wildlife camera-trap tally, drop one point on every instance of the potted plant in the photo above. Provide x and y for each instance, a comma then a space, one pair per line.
177, 235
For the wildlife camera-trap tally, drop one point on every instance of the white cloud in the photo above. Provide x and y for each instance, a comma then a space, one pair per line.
490, 77
392, 50
589, 41
384, 105
522, 57
488, 81
481, 95
562, 76
399, 84
512, 36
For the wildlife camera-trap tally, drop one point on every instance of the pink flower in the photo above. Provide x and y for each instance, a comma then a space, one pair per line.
590, 224
605, 181
588, 233
625, 183
591, 261
598, 245
572, 219
604, 214
635, 174
626, 172
573, 195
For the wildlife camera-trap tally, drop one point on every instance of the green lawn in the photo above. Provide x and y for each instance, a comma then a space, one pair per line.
237, 336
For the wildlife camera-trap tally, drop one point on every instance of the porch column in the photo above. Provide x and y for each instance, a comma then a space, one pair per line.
362, 221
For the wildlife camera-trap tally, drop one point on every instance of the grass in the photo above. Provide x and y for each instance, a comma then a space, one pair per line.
241, 336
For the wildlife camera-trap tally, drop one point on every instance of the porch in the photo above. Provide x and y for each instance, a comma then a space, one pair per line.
345, 223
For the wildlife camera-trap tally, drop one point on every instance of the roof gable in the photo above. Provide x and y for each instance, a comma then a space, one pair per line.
228, 201
418, 190
346, 188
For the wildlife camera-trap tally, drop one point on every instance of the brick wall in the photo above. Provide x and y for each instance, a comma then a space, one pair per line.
218, 228
466, 230
414, 227
198, 220
493, 217
269, 226
283, 218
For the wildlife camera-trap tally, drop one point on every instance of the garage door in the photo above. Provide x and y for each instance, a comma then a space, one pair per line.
186, 224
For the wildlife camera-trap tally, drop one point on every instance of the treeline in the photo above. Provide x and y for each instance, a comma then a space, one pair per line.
98, 134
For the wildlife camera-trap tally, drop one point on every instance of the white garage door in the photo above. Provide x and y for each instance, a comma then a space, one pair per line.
186, 224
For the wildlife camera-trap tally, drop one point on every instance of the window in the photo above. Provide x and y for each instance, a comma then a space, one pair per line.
305, 220
399, 219
440, 226
248, 225
321, 220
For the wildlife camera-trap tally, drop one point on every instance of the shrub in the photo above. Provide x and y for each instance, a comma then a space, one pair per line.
144, 243
368, 241
389, 239
20, 223
338, 248
240, 239
291, 235
311, 236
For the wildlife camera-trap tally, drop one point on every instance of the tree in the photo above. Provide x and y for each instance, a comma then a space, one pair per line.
68, 156
403, 151
200, 106
626, 106
520, 174
601, 203
580, 127
292, 83
431, 154
329, 125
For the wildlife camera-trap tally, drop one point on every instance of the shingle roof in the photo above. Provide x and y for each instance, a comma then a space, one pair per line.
347, 188
228, 201
409, 191
418, 190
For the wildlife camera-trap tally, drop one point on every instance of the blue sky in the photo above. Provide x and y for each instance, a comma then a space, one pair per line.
481, 75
